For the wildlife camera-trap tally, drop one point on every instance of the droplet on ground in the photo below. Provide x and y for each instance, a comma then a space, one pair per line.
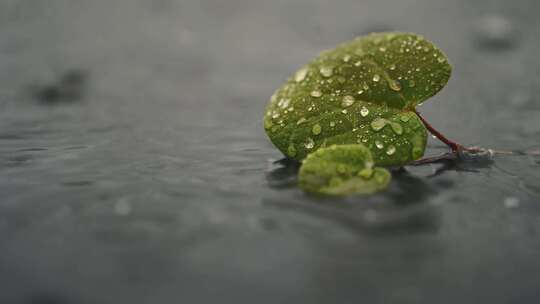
495, 32
511, 202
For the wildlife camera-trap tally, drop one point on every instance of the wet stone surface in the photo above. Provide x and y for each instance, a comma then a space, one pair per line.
134, 167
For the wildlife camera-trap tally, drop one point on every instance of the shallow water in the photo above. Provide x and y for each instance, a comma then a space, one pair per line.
134, 167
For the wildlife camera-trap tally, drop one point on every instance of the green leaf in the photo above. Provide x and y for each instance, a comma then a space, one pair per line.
342, 170
364, 91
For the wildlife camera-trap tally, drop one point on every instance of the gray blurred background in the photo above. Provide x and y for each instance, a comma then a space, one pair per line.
134, 167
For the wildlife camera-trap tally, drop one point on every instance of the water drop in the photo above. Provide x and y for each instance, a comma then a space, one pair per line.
300, 74
392, 67
301, 121
316, 93
344, 111
346, 58
365, 86
441, 59
379, 144
391, 150
326, 71
309, 144
376, 77
394, 85
495, 32
511, 202
358, 63
378, 123
275, 115
397, 128
316, 130
404, 117
347, 101
332, 124
360, 92
382, 49
364, 111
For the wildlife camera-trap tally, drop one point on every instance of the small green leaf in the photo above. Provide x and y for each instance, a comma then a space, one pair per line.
342, 170
364, 91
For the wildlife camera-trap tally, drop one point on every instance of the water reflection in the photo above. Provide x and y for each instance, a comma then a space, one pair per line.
460, 165
402, 209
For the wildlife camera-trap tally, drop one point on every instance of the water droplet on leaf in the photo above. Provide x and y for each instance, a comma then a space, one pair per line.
316, 93
309, 144
316, 130
283, 103
378, 123
347, 101
391, 150
364, 111
326, 71
404, 117
395, 86
397, 128
300, 74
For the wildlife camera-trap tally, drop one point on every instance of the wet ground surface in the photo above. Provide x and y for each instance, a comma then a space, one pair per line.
134, 167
